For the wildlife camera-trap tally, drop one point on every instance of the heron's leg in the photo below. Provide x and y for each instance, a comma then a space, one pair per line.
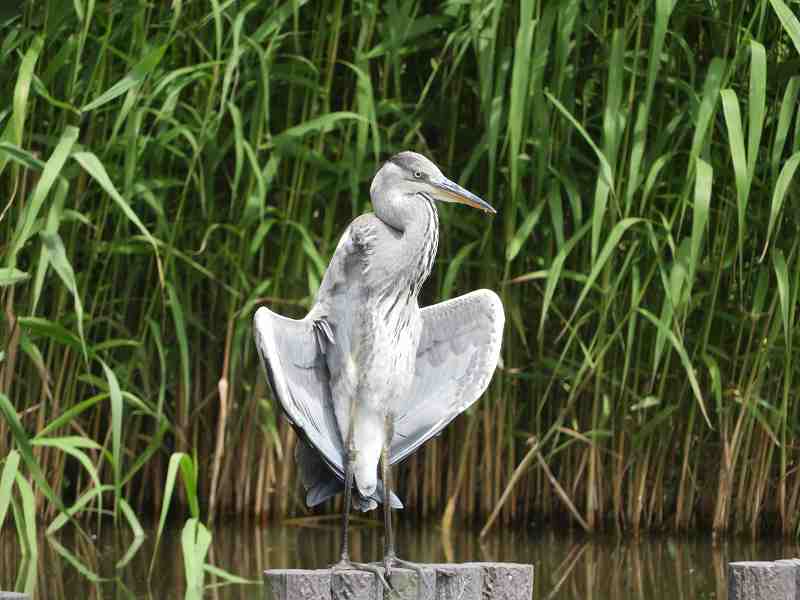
344, 561
389, 556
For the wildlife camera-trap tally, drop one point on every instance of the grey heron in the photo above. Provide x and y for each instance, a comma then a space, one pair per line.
367, 376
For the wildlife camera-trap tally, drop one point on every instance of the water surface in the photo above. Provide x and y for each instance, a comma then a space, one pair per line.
568, 566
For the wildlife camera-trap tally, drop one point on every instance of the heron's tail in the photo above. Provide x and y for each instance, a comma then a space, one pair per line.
322, 483
329, 488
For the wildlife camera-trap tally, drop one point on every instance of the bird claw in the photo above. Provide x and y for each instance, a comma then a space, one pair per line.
345, 564
391, 560
379, 574
413, 566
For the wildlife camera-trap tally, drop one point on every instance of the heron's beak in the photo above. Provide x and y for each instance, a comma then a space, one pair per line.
449, 191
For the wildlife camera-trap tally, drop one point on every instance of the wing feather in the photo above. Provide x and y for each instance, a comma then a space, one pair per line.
456, 358
292, 355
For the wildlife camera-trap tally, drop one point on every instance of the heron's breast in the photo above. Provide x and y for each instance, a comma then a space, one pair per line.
392, 352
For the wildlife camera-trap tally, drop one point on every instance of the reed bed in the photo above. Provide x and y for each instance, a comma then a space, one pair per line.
168, 167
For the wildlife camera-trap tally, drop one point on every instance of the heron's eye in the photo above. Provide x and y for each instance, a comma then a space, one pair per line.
417, 175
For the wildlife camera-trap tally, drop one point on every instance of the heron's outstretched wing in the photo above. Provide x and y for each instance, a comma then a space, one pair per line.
293, 357
457, 355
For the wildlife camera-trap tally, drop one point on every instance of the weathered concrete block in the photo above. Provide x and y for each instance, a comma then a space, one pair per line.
297, 584
506, 581
408, 585
468, 581
354, 585
761, 580
458, 581
794, 564
482, 581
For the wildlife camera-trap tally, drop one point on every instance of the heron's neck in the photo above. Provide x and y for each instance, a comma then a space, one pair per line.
417, 217
425, 239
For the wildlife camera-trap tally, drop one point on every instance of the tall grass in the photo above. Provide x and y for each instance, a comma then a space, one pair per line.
168, 168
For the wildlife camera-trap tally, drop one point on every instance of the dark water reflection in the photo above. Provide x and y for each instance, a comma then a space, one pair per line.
568, 566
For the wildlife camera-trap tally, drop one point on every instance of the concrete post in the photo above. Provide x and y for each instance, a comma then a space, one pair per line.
763, 580
297, 584
794, 563
468, 581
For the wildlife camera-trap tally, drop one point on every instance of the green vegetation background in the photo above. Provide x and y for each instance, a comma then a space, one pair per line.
166, 167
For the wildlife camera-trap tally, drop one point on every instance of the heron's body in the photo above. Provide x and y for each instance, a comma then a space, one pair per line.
368, 298
368, 375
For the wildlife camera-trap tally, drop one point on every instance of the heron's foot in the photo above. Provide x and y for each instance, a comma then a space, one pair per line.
391, 561
377, 571
345, 564
417, 568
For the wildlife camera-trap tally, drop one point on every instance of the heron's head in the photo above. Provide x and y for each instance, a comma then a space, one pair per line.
412, 173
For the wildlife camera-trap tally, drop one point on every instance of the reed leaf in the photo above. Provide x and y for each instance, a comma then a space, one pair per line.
789, 21
178, 463
687, 364
11, 276
26, 451
51, 171
115, 397
9, 473
92, 165
195, 542
28, 501
137, 74
14, 128
779, 195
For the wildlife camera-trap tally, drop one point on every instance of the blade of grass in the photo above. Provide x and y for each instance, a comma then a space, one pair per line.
733, 120
135, 77
789, 21
704, 179
92, 165
788, 109
782, 275
779, 195
26, 450
77, 507
608, 248
10, 465
195, 541
178, 462
454, 268
29, 515
554, 274
115, 396
57, 257
524, 232
52, 169
16, 125
756, 109
677, 345
10, 276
